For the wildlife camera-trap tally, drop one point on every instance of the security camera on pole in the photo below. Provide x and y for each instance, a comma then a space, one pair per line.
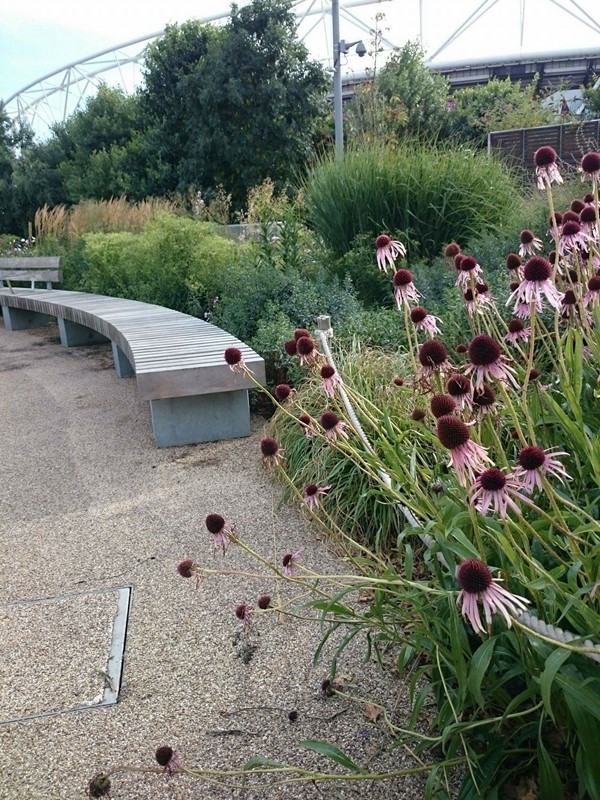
340, 46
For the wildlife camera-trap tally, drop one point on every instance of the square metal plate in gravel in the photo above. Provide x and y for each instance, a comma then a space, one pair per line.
62, 654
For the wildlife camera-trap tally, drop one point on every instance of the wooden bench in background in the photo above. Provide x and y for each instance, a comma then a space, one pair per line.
178, 360
31, 268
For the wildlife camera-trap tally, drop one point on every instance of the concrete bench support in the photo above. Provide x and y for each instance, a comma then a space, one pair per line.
122, 366
200, 418
74, 335
17, 319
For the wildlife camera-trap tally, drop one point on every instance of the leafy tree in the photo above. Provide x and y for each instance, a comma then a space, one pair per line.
591, 95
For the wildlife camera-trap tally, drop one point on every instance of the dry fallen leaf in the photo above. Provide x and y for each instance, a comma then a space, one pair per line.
366, 596
371, 712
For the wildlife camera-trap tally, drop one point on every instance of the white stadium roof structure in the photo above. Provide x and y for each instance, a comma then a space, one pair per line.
55, 96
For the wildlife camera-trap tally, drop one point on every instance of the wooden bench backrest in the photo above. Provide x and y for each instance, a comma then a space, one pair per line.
31, 268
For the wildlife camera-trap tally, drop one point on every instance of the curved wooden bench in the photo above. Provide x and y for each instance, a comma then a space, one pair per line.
177, 359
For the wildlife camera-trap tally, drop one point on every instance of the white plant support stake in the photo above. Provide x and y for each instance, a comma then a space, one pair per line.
324, 332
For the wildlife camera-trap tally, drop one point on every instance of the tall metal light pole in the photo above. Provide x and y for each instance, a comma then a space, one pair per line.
337, 80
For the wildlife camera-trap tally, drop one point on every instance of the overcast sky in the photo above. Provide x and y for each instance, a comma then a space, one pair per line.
38, 37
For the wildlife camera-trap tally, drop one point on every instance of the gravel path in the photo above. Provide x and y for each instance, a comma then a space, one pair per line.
87, 503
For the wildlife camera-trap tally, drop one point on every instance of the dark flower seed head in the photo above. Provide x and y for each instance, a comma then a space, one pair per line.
264, 601
527, 236
531, 457
590, 163
382, 240
242, 611
301, 332
534, 374
432, 353
559, 218
458, 385
484, 350
485, 397
305, 346
418, 414
418, 314
269, 447
482, 287
163, 754
594, 283
327, 371
571, 228
293, 715
468, 264
441, 405
537, 269
492, 480
458, 260
469, 295
215, 523
329, 420
452, 432
287, 559
99, 786
514, 434
233, 356
588, 215
290, 347
461, 348
573, 276
570, 216
473, 576
545, 156
589, 197
398, 381
513, 261
304, 419
452, 249
552, 256
282, 391
184, 568
311, 490
569, 298
515, 326
514, 285
402, 277
577, 206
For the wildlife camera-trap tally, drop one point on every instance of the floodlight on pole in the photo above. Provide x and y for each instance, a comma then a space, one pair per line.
340, 46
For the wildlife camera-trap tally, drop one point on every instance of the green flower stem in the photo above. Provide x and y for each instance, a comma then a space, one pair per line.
409, 339
513, 413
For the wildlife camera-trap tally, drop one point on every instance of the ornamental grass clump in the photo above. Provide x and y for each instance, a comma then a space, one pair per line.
486, 593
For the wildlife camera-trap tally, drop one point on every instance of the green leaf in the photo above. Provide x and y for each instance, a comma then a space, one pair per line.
553, 663
551, 787
331, 751
479, 664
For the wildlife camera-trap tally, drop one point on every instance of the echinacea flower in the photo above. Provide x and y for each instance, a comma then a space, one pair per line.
466, 456
290, 347
300, 333
305, 347
452, 250
388, 251
546, 168
572, 237
516, 331
404, 289
233, 356
441, 405
433, 357
468, 270
590, 166
312, 494
290, 561
593, 293
477, 586
273, 455
514, 264
494, 488
483, 399
488, 362
333, 426
460, 388
530, 245
534, 463
222, 532
283, 391
244, 613
589, 221
424, 321
264, 601
418, 414
309, 425
331, 379
168, 759
536, 282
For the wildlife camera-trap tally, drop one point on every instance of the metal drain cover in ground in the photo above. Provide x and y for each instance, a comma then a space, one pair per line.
62, 654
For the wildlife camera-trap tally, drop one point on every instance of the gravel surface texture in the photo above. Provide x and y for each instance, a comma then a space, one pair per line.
88, 503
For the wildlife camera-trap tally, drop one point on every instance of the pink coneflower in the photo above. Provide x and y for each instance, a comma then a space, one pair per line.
451, 250
471, 304
290, 347
536, 282
588, 221
271, 452
305, 347
312, 494
442, 405
460, 389
476, 584
433, 357
572, 237
418, 414
494, 488
483, 399
483, 293
577, 205
333, 426
168, 759
309, 425
467, 457
398, 381
468, 270
590, 166
189, 569
331, 379
263, 602
404, 289
514, 265
457, 261
290, 561
300, 333
388, 251
488, 362
461, 348
221, 531
534, 463
570, 308
530, 245
516, 331
593, 293
244, 613
546, 169
283, 391
424, 321
233, 356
